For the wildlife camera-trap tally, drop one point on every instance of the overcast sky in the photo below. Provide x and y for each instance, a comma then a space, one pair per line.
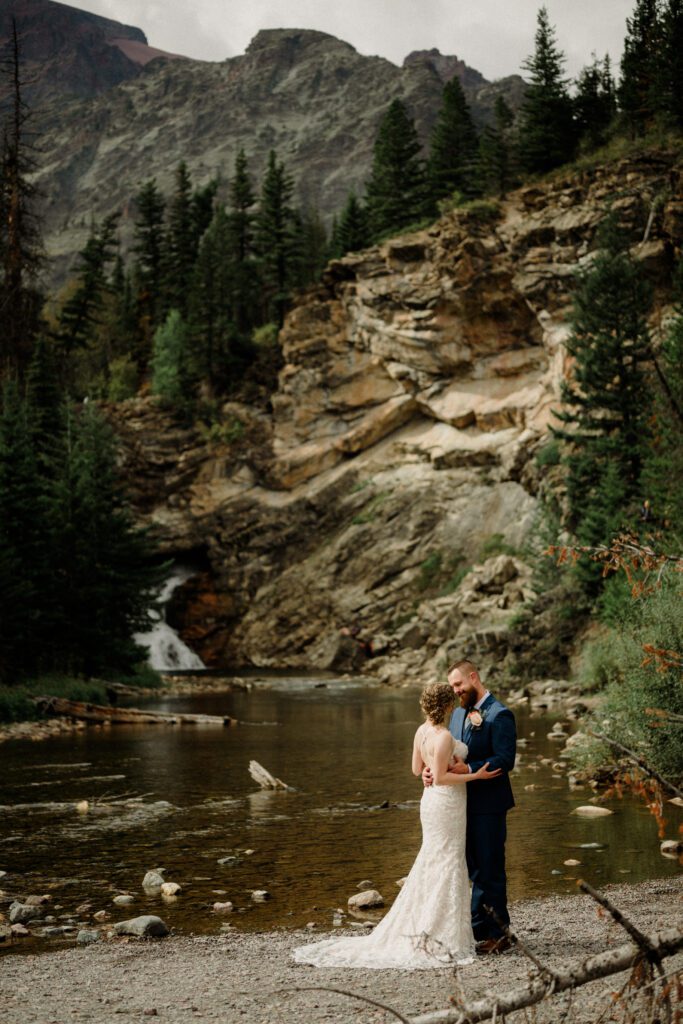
493, 36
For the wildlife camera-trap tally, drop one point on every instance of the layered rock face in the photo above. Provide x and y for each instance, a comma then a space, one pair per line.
309, 96
70, 53
393, 490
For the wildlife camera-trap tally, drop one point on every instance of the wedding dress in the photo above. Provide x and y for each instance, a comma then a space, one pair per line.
429, 924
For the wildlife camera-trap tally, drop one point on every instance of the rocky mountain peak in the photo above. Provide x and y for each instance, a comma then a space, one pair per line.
295, 42
446, 66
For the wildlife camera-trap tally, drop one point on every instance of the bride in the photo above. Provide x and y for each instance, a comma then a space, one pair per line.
429, 924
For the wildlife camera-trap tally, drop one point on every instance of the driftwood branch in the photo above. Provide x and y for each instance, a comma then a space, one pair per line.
352, 995
640, 761
546, 971
665, 943
638, 937
263, 777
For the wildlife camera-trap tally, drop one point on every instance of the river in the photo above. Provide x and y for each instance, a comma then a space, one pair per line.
344, 746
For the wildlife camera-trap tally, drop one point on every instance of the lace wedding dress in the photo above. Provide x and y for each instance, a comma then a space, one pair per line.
429, 924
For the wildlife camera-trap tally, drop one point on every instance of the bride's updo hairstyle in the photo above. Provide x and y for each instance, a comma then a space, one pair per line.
436, 700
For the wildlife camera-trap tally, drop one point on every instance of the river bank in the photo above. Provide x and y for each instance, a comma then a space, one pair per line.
235, 976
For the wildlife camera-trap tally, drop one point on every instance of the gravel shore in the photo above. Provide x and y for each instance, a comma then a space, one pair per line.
251, 977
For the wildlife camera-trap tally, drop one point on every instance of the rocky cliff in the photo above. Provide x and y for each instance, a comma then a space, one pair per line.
393, 488
69, 53
312, 97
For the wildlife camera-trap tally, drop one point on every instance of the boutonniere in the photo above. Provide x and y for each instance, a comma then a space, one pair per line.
476, 718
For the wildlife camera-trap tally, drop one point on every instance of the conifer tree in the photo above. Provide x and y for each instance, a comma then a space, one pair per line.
671, 63
351, 231
606, 405
149, 248
641, 86
180, 242
452, 164
276, 239
21, 251
81, 316
494, 160
546, 129
211, 308
595, 104
312, 247
244, 286
396, 194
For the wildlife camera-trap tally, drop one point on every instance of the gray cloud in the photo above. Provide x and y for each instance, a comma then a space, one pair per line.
493, 36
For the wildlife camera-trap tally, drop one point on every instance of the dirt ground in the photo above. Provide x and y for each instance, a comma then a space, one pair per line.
251, 977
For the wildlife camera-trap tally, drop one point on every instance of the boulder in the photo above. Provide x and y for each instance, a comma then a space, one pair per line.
170, 889
87, 936
20, 913
124, 900
145, 926
153, 879
365, 900
591, 811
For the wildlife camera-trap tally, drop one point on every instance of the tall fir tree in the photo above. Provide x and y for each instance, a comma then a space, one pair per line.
277, 239
671, 63
171, 362
547, 134
606, 404
21, 251
494, 161
396, 194
180, 242
595, 103
452, 164
351, 231
149, 247
211, 308
81, 315
244, 286
641, 84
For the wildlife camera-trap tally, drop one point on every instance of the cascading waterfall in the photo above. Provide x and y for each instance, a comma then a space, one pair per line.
167, 652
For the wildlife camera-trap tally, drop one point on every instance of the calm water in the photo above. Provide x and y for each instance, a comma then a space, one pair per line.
346, 749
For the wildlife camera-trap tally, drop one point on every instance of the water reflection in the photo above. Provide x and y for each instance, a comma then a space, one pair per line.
353, 814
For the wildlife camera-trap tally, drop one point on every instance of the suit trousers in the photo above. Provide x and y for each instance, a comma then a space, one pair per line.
485, 852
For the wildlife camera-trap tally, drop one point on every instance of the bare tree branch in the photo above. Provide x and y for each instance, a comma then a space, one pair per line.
639, 761
352, 995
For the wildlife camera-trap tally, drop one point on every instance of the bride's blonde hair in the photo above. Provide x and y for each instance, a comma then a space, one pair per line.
436, 700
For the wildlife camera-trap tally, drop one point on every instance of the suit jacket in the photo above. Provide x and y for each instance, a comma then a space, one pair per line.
494, 741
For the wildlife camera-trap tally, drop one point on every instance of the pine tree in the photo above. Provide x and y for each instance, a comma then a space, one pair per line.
181, 242
81, 316
102, 563
546, 130
606, 405
641, 86
150, 250
494, 162
244, 287
595, 103
211, 308
452, 164
313, 248
21, 251
671, 63
396, 194
351, 231
276, 239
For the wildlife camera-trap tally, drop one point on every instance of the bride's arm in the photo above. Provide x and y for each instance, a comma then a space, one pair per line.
442, 756
418, 763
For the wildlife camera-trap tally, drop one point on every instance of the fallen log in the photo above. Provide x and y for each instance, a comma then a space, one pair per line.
263, 777
101, 713
621, 958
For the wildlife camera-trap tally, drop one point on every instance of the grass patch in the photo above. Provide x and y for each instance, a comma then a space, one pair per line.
442, 574
16, 704
496, 545
372, 509
549, 455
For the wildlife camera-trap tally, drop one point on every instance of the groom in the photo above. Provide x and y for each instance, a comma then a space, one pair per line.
488, 729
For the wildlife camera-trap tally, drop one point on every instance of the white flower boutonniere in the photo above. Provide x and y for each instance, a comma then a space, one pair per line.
476, 718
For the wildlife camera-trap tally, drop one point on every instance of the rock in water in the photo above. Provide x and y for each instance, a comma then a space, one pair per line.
591, 811
87, 936
170, 889
20, 913
153, 879
147, 925
223, 908
124, 900
366, 899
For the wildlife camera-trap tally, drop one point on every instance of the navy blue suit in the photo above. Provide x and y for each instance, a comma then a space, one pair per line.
488, 802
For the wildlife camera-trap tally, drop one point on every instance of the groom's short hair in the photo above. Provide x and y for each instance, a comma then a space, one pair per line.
464, 666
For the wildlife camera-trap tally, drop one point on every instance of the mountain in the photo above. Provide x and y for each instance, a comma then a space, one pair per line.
110, 116
71, 53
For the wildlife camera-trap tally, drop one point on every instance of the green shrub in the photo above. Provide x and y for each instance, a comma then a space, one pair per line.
16, 704
221, 433
550, 454
265, 336
633, 683
123, 379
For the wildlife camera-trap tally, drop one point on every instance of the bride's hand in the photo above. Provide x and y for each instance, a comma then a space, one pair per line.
427, 777
484, 772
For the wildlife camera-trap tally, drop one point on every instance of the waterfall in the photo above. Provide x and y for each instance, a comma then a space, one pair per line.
167, 652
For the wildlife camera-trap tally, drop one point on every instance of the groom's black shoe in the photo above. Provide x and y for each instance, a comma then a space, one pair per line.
492, 945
